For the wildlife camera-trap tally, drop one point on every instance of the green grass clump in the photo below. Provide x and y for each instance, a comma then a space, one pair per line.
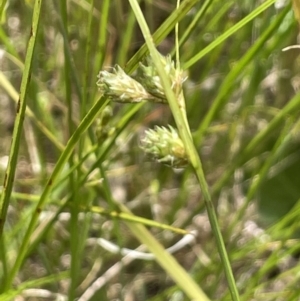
91, 93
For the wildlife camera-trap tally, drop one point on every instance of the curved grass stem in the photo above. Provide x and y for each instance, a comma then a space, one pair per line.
194, 158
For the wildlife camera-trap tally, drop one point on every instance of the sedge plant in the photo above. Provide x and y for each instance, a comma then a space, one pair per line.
78, 192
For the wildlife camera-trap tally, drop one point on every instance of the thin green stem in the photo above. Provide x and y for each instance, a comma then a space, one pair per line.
87, 66
102, 39
18, 127
162, 32
228, 83
4, 262
86, 122
190, 148
291, 108
194, 23
176, 40
74, 241
2, 6
228, 33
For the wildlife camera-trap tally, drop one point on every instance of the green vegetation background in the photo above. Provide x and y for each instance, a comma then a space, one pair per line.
243, 109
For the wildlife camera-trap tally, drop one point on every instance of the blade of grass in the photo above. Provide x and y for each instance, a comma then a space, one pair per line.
102, 39
86, 122
291, 108
161, 32
175, 271
228, 33
229, 81
87, 71
74, 227
4, 260
73, 74
194, 23
29, 113
9, 295
134, 219
283, 140
164, 258
189, 146
18, 126
126, 39
2, 11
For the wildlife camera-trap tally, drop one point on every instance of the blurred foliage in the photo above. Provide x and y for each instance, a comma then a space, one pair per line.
256, 192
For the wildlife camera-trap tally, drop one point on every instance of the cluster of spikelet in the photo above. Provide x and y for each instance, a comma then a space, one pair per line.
162, 143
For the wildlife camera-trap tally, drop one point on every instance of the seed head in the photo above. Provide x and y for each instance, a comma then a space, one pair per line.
120, 87
149, 78
165, 145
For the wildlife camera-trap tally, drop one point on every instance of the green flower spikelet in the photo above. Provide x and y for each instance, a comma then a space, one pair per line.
165, 145
148, 76
120, 87
146, 86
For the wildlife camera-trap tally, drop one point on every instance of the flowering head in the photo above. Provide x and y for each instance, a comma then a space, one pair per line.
165, 145
148, 76
120, 87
